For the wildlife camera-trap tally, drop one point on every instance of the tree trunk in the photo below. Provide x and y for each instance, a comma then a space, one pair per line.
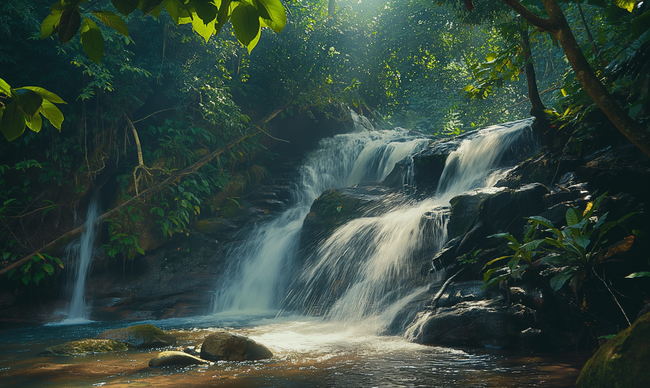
558, 26
537, 109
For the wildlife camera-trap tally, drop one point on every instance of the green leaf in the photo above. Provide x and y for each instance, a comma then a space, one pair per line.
277, 15
223, 16
245, 20
46, 94
583, 241
50, 25
5, 88
48, 268
149, 6
26, 279
202, 29
12, 122
638, 275
69, 24
558, 280
572, 217
254, 42
52, 113
177, 10
206, 10
35, 123
28, 101
125, 7
626, 4
113, 21
92, 40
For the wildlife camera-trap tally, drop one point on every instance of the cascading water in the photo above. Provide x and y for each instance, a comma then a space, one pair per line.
370, 267
259, 275
81, 254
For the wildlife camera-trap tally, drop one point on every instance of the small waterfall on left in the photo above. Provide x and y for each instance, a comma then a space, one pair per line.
79, 256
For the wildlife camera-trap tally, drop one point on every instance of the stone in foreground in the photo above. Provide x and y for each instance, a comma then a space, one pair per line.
621, 361
174, 357
140, 336
224, 346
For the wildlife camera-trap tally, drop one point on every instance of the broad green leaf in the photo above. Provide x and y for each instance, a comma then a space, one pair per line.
50, 25
48, 268
558, 280
572, 217
52, 113
28, 101
125, 7
490, 57
156, 11
69, 24
113, 21
506, 235
531, 246
583, 241
148, 6
626, 4
638, 275
255, 40
5, 88
35, 123
202, 29
177, 10
641, 24
545, 222
46, 94
246, 23
38, 276
206, 10
223, 15
12, 122
276, 12
92, 40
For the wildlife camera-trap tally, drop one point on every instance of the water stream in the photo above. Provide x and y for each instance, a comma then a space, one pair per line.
80, 253
354, 284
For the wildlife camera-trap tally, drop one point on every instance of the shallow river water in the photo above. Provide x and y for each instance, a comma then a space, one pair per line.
307, 353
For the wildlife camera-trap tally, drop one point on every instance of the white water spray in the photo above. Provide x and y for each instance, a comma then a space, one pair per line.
80, 253
257, 281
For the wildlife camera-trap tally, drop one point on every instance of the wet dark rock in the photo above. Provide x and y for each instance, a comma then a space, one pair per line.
219, 228
225, 346
621, 361
479, 323
487, 212
139, 336
336, 207
174, 357
86, 346
540, 169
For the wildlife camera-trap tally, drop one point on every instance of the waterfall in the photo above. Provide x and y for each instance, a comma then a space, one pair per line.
80, 254
259, 273
370, 267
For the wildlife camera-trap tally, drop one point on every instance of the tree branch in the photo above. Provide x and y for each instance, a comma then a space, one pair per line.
539, 22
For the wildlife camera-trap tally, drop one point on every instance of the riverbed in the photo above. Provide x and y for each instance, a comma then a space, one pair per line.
307, 352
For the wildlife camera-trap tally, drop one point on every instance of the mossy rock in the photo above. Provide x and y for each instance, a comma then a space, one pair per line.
86, 346
225, 346
622, 361
140, 336
217, 227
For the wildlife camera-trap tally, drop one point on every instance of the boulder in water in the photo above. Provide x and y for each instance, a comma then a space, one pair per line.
225, 346
140, 336
174, 357
621, 361
86, 346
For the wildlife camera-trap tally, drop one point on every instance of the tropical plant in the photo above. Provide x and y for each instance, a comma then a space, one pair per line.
23, 107
569, 252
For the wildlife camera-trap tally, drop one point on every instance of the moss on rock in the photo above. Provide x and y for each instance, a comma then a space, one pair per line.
621, 361
86, 346
140, 336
